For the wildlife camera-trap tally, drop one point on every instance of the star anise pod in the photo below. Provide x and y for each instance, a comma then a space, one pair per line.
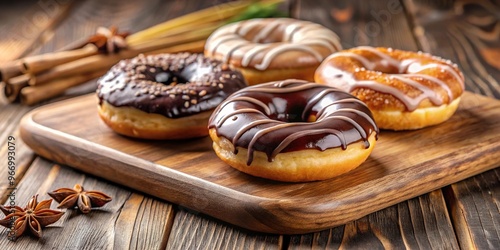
85, 200
35, 216
109, 40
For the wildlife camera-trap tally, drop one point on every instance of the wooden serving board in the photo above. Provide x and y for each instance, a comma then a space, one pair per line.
403, 165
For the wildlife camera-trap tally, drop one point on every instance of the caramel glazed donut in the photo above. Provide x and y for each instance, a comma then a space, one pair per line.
165, 96
293, 131
273, 49
404, 90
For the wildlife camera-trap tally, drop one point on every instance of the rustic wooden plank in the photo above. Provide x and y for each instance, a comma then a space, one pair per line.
84, 20
374, 23
466, 32
153, 216
419, 223
194, 177
26, 25
130, 220
475, 212
31, 25
10, 115
128, 16
195, 231
23, 158
143, 223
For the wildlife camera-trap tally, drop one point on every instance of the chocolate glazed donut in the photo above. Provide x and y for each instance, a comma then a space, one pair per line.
287, 117
161, 96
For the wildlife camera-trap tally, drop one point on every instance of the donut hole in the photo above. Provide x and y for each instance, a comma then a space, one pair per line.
269, 39
294, 116
383, 67
169, 78
289, 118
275, 35
283, 111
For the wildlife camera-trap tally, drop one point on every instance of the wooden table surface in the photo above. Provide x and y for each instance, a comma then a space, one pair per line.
463, 215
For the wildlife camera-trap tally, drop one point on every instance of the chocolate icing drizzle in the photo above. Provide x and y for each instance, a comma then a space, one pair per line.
173, 85
292, 115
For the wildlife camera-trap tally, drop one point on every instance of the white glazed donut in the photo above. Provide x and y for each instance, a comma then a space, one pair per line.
273, 48
404, 90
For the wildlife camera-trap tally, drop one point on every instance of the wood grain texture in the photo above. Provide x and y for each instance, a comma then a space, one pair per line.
154, 217
418, 228
466, 32
81, 19
31, 26
143, 223
188, 172
117, 225
127, 15
419, 223
195, 231
474, 205
374, 23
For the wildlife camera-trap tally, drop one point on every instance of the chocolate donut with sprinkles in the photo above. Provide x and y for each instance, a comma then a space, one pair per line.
165, 96
293, 131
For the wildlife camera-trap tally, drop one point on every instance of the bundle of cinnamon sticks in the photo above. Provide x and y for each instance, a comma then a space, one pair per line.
33, 79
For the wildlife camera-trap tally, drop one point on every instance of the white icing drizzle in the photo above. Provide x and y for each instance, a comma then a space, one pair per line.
410, 103
434, 80
409, 71
297, 35
427, 92
417, 67
290, 31
247, 57
266, 30
243, 27
316, 32
286, 47
235, 47
386, 59
221, 40
363, 60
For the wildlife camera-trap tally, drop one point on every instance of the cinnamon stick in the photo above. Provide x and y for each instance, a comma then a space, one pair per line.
13, 87
39, 63
100, 61
12, 69
34, 94
30, 95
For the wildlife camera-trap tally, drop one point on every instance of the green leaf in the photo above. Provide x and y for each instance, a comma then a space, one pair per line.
258, 10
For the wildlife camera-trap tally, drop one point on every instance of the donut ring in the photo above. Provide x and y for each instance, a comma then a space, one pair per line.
292, 131
272, 49
166, 96
404, 90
